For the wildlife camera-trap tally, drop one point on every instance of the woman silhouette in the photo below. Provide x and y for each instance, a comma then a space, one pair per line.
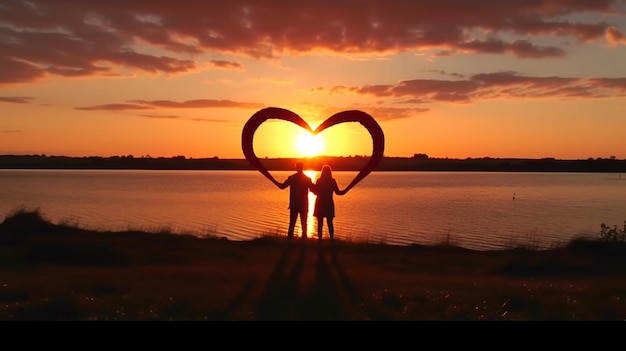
324, 188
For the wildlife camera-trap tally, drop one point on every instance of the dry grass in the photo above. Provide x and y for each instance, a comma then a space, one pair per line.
60, 272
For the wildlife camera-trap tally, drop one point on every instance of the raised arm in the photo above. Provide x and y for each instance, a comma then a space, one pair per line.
337, 191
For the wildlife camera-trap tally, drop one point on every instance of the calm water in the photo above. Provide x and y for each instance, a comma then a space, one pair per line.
474, 210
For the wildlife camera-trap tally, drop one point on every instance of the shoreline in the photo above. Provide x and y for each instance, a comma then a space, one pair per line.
418, 162
76, 274
528, 242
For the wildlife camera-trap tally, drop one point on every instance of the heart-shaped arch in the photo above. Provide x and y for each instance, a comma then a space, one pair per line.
367, 121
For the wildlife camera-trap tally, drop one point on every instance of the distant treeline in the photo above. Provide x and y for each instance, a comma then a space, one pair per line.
349, 163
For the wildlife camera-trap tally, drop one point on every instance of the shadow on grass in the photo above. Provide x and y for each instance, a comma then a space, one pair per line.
57, 272
281, 292
285, 298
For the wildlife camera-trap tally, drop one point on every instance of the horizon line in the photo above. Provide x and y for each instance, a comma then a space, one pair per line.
312, 157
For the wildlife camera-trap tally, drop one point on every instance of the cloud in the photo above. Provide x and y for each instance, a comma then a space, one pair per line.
381, 113
151, 63
189, 119
616, 84
160, 116
14, 71
615, 37
115, 107
498, 85
16, 99
444, 73
7, 131
227, 64
155, 104
520, 48
30, 55
393, 113
40, 38
199, 103
211, 120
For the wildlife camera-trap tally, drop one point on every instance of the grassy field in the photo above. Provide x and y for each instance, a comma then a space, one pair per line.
60, 272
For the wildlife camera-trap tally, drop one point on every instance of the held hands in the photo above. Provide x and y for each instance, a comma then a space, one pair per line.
345, 191
314, 190
279, 185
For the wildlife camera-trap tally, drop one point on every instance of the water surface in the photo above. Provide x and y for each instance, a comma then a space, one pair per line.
477, 210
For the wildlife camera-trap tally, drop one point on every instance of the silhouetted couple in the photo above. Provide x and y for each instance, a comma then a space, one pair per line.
324, 188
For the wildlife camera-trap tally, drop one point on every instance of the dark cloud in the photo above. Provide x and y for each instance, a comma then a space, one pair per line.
93, 37
16, 99
227, 64
526, 49
492, 86
444, 73
14, 71
199, 103
151, 63
521, 48
189, 119
115, 107
155, 104
610, 83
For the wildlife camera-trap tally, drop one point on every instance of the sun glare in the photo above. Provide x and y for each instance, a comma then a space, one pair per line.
309, 145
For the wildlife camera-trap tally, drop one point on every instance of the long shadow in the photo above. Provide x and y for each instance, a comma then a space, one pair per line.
281, 292
370, 312
346, 282
331, 296
323, 302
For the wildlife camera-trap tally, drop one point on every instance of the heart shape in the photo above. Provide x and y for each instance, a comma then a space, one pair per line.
378, 138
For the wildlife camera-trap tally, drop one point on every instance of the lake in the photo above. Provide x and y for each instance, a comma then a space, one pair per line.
475, 210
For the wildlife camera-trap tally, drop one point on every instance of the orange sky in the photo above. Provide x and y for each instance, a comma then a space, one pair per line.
452, 78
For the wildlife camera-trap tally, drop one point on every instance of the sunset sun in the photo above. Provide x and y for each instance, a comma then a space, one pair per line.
309, 145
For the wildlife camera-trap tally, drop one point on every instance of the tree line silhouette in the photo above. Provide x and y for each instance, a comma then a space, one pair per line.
419, 162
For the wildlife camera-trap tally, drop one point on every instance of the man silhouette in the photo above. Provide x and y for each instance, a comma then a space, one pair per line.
299, 185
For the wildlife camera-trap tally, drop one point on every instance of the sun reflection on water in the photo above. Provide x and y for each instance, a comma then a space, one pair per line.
311, 222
